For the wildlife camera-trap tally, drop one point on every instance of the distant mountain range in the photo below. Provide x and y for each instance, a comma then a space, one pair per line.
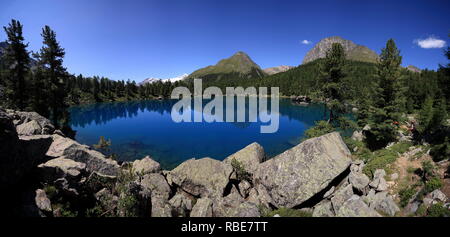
240, 65
153, 80
278, 69
352, 50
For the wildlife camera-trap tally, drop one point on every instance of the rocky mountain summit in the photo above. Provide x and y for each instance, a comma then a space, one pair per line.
239, 64
352, 50
413, 68
278, 69
173, 79
52, 175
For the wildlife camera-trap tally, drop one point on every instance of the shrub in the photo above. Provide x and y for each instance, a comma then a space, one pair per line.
433, 184
405, 195
241, 173
438, 210
428, 169
51, 191
441, 151
320, 128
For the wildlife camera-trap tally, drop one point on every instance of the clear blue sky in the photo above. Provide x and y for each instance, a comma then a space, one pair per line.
140, 39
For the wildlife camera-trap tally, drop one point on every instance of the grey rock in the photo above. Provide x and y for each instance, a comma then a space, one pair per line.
358, 136
259, 196
203, 177
94, 160
156, 185
244, 188
29, 128
352, 50
234, 205
379, 183
355, 207
359, 181
145, 166
202, 208
329, 192
60, 168
304, 170
250, 157
278, 69
323, 209
340, 196
384, 203
42, 202
25, 117
181, 204
438, 195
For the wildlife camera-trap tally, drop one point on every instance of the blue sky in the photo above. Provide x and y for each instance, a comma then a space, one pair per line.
140, 39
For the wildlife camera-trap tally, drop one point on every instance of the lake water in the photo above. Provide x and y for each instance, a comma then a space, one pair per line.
141, 128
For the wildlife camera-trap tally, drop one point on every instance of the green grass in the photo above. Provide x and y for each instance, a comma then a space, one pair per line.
380, 159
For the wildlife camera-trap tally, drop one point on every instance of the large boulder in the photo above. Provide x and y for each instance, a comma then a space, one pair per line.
61, 168
42, 202
359, 181
35, 147
145, 166
203, 177
46, 127
156, 185
233, 205
202, 208
94, 160
378, 182
355, 207
29, 128
340, 196
323, 209
304, 170
384, 203
181, 204
250, 157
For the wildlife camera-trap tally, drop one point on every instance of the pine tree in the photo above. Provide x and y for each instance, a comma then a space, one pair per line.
389, 101
17, 61
332, 84
50, 58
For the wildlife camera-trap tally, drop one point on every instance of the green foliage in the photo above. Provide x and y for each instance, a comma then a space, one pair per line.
16, 64
389, 98
438, 210
441, 152
380, 159
287, 212
240, 170
406, 194
428, 169
50, 191
332, 75
320, 128
432, 184
422, 210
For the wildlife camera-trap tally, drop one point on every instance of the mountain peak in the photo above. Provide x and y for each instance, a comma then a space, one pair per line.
353, 51
277, 69
239, 62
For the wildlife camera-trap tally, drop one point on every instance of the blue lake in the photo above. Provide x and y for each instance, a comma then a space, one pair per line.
141, 128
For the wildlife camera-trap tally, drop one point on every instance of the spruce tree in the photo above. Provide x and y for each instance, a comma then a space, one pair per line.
50, 58
332, 85
17, 61
389, 102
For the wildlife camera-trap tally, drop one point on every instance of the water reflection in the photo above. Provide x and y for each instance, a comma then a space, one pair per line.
140, 128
